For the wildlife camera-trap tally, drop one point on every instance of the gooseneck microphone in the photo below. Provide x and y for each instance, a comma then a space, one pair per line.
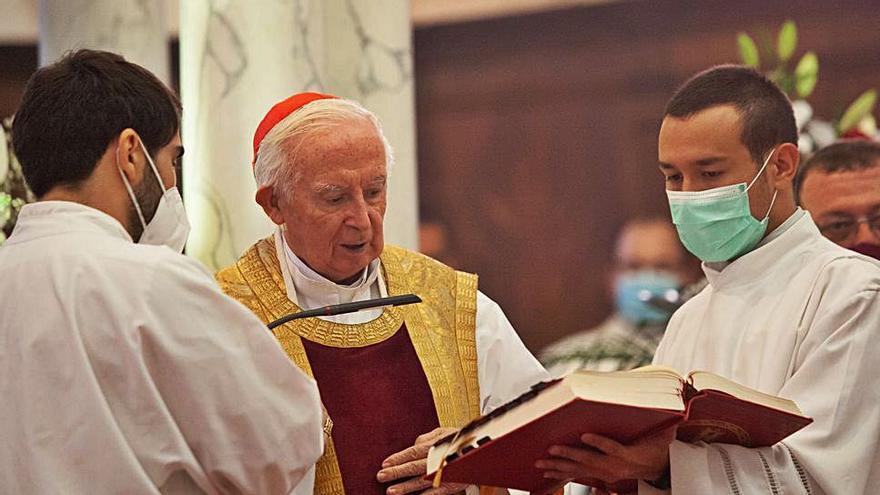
345, 308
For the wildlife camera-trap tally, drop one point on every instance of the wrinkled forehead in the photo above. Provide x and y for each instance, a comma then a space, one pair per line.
345, 147
853, 192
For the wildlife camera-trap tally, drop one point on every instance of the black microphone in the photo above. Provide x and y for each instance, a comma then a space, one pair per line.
345, 308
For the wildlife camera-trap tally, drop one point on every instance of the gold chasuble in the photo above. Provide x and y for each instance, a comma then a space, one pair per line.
442, 333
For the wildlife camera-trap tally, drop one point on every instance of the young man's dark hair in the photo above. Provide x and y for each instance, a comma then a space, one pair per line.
767, 116
846, 155
72, 110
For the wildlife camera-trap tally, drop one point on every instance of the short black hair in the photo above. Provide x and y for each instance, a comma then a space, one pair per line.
72, 110
767, 115
844, 155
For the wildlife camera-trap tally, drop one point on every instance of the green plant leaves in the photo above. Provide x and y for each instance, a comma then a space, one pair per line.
748, 50
787, 41
806, 74
859, 109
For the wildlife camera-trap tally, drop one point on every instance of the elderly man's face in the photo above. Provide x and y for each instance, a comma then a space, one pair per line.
839, 200
335, 208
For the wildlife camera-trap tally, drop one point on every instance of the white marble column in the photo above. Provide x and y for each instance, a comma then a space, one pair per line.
239, 57
133, 28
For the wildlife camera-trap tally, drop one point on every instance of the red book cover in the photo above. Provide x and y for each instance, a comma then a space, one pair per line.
508, 461
717, 417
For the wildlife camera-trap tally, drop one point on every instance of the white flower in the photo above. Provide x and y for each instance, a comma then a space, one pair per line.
803, 112
805, 144
823, 133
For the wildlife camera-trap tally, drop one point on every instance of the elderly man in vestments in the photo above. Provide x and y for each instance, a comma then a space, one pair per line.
392, 380
115, 349
786, 311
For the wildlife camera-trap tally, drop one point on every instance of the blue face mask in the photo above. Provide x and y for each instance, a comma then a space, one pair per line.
717, 224
633, 293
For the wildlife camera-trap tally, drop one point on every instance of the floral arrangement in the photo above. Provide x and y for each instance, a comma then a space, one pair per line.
857, 121
14, 192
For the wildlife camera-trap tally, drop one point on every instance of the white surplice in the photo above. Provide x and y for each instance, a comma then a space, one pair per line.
797, 317
124, 369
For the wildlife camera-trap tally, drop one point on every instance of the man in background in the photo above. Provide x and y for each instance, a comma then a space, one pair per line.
650, 271
840, 187
436, 241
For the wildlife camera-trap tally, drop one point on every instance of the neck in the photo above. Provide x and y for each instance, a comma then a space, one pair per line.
94, 194
336, 280
781, 212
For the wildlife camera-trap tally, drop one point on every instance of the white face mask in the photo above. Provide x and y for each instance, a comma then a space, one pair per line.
169, 225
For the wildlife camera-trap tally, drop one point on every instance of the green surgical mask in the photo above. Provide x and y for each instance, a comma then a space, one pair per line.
717, 224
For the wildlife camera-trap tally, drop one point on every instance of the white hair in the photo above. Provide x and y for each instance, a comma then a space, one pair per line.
275, 165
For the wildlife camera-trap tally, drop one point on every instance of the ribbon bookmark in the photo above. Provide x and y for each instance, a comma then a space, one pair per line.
438, 476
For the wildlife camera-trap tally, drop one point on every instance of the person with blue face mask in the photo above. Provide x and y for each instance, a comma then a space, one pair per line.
785, 311
124, 367
650, 270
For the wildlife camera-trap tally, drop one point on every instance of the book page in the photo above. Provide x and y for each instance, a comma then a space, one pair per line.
704, 380
656, 368
647, 388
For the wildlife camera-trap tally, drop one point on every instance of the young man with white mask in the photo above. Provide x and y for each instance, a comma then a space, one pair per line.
123, 368
786, 311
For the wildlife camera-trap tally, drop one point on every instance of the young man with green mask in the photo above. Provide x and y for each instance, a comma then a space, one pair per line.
786, 311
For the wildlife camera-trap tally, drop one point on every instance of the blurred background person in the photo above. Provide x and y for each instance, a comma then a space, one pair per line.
650, 271
435, 240
840, 187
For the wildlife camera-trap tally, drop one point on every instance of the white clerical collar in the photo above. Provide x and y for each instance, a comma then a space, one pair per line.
798, 230
45, 218
367, 277
776, 233
785, 227
309, 289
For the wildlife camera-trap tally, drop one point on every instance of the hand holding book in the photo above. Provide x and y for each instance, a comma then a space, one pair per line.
408, 466
608, 463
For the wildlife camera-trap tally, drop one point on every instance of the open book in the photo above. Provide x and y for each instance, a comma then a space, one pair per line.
500, 449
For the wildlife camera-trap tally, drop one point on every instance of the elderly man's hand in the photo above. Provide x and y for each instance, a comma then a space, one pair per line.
605, 460
411, 464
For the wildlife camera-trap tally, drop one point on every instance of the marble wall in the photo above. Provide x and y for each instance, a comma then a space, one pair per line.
239, 57
133, 28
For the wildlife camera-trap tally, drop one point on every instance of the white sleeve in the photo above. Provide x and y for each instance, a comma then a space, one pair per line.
505, 367
250, 416
834, 382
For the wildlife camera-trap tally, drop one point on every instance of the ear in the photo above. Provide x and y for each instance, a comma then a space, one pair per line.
786, 164
265, 197
128, 157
